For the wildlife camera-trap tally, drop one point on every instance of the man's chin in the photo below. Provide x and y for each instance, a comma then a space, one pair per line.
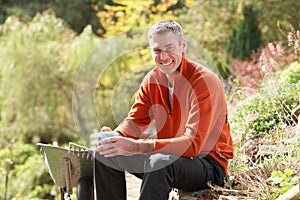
166, 71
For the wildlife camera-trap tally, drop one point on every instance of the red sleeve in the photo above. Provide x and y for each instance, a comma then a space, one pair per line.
138, 118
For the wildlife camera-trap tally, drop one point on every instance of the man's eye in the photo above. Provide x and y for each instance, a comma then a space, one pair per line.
170, 49
157, 50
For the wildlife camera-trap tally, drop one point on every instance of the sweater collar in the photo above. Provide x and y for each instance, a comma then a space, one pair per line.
182, 66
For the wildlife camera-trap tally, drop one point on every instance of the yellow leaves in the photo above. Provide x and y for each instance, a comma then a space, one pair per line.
164, 5
120, 14
95, 7
99, 31
133, 14
144, 51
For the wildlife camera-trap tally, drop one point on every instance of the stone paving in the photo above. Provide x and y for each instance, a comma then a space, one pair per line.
133, 186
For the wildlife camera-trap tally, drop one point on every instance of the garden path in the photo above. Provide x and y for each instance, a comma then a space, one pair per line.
133, 187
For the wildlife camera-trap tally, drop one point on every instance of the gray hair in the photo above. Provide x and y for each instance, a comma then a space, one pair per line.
165, 26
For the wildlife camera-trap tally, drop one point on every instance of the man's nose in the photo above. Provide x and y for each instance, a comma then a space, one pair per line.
163, 55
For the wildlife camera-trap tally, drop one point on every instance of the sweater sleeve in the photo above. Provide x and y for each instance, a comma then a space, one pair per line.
138, 118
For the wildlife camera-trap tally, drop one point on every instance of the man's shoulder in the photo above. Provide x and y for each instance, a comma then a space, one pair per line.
153, 76
201, 68
200, 71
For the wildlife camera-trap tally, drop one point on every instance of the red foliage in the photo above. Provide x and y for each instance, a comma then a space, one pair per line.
262, 62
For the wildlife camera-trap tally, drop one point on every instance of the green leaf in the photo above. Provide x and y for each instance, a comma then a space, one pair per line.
276, 174
288, 172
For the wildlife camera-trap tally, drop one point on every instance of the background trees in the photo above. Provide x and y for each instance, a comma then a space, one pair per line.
77, 14
246, 36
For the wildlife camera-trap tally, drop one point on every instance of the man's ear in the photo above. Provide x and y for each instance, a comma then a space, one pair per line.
183, 43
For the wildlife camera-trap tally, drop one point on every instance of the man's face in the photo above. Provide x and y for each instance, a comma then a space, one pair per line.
167, 51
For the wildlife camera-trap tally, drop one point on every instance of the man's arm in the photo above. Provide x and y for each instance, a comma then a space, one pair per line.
119, 145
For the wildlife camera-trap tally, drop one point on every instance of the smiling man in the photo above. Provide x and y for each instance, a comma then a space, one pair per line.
193, 142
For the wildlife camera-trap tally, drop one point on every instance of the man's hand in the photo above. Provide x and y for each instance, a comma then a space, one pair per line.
104, 133
116, 146
106, 129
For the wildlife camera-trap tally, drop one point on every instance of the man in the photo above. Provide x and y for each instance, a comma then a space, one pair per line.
187, 104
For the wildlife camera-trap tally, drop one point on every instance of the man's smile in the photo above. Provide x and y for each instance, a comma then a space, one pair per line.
166, 64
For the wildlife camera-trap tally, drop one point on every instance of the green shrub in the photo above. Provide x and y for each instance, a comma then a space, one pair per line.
39, 61
26, 173
282, 181
269, 110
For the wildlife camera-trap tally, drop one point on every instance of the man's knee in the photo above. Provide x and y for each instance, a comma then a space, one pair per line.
159, 161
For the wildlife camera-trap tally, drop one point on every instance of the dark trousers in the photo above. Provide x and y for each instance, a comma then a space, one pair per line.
159, 172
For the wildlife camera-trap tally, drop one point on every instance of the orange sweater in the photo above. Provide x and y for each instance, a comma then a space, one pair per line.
197, 121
